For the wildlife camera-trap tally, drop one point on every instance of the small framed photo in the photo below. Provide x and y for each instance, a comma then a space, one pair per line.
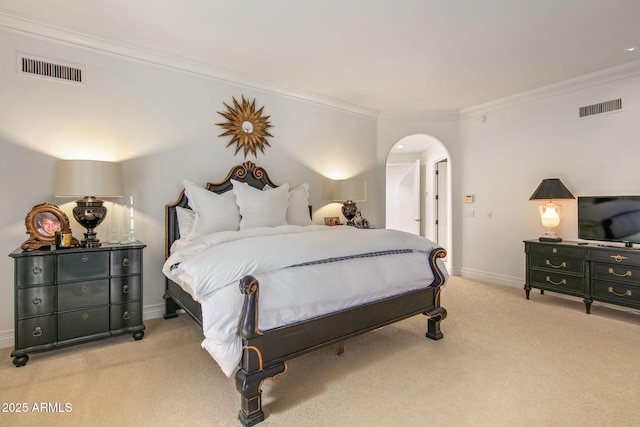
43, 222
331, 220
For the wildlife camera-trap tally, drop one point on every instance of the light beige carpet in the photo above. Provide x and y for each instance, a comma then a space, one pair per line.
504, 361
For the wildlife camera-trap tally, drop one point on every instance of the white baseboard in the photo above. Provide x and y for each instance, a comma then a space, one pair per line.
499, 279
6, 338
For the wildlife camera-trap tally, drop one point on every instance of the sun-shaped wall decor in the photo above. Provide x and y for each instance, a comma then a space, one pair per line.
248, 127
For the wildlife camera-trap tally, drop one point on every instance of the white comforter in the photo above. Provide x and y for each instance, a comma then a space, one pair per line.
210, 267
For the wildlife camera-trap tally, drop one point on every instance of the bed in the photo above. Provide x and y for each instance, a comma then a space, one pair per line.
319, 288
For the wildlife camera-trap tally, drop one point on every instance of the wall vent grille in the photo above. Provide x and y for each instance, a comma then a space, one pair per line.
50, 70
602, 107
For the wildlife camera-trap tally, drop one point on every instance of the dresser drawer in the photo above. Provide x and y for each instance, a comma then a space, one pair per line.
557, 251
36, 331
80, 323
616, 293
617, 257
126, 262
125, 316
619, 273
36, 301
83, 265
125, 289
556, 281
35, 270
561, 265
89, 293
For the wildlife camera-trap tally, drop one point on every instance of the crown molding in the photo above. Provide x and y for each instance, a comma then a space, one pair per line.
40, 29
629, 69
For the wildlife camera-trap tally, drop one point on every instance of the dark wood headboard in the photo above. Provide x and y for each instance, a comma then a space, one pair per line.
248, 172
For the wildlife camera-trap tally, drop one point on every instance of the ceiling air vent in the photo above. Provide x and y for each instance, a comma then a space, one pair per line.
49, 70
602, 107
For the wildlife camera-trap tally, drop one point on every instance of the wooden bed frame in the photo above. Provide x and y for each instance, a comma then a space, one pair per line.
265, 353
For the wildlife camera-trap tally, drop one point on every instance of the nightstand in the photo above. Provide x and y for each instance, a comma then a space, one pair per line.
68, 296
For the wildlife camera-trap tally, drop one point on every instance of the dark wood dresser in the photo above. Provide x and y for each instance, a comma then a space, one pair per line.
64, 297
594, 272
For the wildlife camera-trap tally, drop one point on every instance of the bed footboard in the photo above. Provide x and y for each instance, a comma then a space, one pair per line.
264, 353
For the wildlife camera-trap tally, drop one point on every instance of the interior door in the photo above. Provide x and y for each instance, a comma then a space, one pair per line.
403, 197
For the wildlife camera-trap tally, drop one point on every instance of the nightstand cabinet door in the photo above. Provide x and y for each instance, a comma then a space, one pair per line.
88, 293
36, 301
69, 296
35, 270
126, 262
37, 332
125, 316
83, 323
124, 289
83, 265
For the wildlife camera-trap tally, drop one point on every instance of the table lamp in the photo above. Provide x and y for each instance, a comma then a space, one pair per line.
88, 179
348, 192
550, 213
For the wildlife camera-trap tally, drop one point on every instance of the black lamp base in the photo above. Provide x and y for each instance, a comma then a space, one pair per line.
550, 239
349, 210
89, 212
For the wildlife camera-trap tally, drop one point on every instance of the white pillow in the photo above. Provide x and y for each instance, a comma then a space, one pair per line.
214, 212
260, 208
298, 211
186, 218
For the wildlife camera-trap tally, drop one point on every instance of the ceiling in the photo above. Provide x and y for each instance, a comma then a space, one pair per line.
382, 55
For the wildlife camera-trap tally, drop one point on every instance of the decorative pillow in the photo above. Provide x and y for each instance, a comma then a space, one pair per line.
186, 218
298, 211
214, 212
261, 208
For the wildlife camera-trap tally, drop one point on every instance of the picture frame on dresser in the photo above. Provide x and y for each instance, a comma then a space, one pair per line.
42, 222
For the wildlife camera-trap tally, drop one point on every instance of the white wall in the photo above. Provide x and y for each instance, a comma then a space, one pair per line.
527, 139
160, 123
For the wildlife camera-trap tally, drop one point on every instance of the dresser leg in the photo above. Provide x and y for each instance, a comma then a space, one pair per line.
19, 361
587, 305
527, 289
138, 335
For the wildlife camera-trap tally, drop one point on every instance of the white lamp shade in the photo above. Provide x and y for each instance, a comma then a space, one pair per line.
350, 189
80, 178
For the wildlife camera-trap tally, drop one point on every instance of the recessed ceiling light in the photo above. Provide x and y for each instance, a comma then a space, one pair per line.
400, 146
631, 49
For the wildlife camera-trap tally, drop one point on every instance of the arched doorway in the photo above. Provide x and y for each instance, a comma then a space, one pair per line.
418, 172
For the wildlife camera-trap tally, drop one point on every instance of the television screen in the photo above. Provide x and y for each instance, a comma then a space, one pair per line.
611, 218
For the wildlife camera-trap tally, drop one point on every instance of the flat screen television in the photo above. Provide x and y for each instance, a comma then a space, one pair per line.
609, 218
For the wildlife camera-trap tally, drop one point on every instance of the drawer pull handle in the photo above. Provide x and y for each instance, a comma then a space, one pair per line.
562, 282
37, 331
562, 265
126, 289
554, 250
84, 258
37, 301
126, 262
37, 270
85, 316
618, 258
626, 294
627, 274
126, 315
85, 286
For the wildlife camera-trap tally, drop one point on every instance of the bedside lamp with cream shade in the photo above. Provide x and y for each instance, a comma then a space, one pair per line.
349, 191
89, 180
549, 189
